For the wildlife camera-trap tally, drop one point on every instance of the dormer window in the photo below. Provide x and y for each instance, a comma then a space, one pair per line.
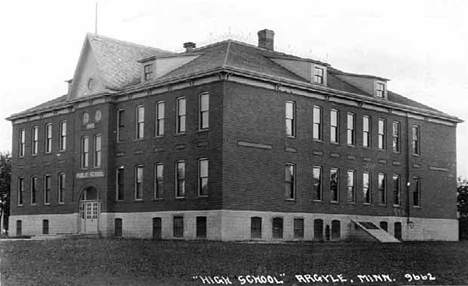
148, 71
380, 90
319, 75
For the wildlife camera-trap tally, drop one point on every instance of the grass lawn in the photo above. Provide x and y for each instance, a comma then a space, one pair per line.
147, 262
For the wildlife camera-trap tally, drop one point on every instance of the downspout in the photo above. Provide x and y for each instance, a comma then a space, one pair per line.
408, 181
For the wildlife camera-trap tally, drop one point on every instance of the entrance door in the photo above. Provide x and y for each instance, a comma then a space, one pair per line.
89, 216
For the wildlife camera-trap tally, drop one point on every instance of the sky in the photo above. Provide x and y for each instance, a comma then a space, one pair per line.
421, 46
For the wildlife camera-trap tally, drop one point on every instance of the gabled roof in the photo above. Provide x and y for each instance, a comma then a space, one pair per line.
118, 60
120, 67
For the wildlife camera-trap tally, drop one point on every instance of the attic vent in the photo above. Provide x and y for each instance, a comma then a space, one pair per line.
266, 39
189, 46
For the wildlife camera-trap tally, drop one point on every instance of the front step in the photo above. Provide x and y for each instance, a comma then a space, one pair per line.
375, 232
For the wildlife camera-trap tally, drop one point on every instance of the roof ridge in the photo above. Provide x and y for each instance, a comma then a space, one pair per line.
227, 54
96, 36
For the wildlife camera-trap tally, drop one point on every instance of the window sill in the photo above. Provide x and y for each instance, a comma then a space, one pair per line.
383, 205
158, 199
180, 134
203, 130
203, 196
179, 198
138, 200
396, 206
366, 204
139, 139
351, 145
317, 201
417, 207
290, 200
416, 155
335, 202
335, 143
317, 140
159, 136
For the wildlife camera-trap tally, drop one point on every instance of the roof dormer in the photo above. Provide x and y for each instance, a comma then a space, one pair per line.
372, 85
156, 67
312, 71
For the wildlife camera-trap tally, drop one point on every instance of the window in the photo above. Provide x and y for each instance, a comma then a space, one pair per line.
396, 136
366, 128
415, 140
159, 126
47, 189
63, 136
118, 227
140, 122
22, 142
84, 152
178, 230
289, 181
48, 142
19, 227
139, 183
334, 185
277, 227
334, 126
158, 181
382, 189
318, 229
180, 179
61, 188
318, 75
298, 228
317, 183
148, 70
290, 123
120, 124
351, 186
201, 227
119, 192
97, 150
204, 111
157, 228
181, 115
384, 225
366, 187
396, 190
45, 226
417, 192
256, 227
20, 191
380, 90
351, 133
203, 177
382, 134
317, 126
35, 140
33, 190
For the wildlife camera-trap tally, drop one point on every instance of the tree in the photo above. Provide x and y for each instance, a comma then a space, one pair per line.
462, 205
5, 181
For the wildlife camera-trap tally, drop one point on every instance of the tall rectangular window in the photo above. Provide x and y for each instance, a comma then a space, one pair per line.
203, 177
256, 227
120, 124
366, 190
298, 228
178, 226
351, 186
351, 132
180, 179
290, 122
63, 136
317, 183
35, 140
396, 136
119, 192
380, 90
317, 123
289, 181
97, 150
20, 191
158, 181
366, 131
334, 185
382, 137
415, 140
181, 115
334, 126
417, 192
61, 188
204, 115
22, 142
47, 189
160, 115
33, 190
140, 122
382, 189
148, 71
48, 141
396, 190
138, 182
85, 152
318, 75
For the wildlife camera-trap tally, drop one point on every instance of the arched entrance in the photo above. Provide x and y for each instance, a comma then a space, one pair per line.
89, 210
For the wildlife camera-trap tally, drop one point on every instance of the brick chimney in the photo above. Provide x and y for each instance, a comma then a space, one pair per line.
266, 39
189, 46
